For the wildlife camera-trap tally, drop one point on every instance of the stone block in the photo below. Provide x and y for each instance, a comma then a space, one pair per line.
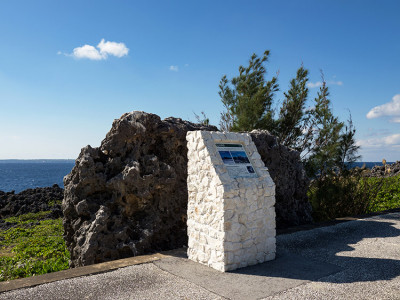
230, 201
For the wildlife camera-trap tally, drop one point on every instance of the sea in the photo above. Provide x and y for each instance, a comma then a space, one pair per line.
18, 175
369, 164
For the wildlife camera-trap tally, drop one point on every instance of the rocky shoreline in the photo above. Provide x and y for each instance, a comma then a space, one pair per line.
45, 198
30, 201
387, 170
40, 199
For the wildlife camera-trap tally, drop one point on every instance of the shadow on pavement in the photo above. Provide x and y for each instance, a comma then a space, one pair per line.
366, 250
316, 254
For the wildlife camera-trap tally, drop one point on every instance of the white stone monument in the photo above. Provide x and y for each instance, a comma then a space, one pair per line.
231, 213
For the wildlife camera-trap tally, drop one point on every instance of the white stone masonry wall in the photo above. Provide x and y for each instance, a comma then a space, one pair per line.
231, 221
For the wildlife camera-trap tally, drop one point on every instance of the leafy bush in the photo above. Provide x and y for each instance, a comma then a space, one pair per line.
388, 196
337, 196
34, 247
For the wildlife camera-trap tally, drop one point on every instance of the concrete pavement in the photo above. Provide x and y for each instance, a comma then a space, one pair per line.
352, 260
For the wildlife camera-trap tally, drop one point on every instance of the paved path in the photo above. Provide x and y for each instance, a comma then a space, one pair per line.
352, 260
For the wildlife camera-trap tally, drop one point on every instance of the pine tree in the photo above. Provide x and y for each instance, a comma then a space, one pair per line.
324, 142
292, 117
249, 98
348, 148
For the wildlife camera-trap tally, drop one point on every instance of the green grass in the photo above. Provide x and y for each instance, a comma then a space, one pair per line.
35, 246
28, 218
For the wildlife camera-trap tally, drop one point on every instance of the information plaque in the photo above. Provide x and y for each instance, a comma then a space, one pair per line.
231, 198
236, 161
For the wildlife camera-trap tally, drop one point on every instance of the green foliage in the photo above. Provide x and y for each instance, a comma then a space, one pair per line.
28, 218
338, 196
54, 202
388, 196
293, 119
34, 247
347, 146
248, 97
324, 142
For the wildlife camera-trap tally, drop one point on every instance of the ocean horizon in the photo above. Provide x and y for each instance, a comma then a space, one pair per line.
21, 174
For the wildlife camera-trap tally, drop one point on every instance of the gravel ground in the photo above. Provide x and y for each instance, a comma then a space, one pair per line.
136, 282
352, 260
368, 250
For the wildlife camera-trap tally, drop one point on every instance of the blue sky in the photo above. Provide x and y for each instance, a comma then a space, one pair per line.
69, 68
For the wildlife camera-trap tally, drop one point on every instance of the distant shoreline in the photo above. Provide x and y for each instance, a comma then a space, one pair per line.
41, 160
19, 175
61, 160
368, 164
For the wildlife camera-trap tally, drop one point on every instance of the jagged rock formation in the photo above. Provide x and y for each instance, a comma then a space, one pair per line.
129, 196
285, 167
385, 171
31, 201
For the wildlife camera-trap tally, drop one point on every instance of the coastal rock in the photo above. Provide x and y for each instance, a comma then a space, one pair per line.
31, 201
387, 170
129, 196
292, 206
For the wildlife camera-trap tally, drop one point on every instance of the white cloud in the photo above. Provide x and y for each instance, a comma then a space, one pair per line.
396, 120
391, 108
88, 52
112, 48
380, 143
312, 85
390, 140
373, 132
374, 149
174, 68
332, 82
103, 50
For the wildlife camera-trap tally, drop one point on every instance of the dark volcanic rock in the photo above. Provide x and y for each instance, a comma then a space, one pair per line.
129, 196
287, 171
385, 171
31, 200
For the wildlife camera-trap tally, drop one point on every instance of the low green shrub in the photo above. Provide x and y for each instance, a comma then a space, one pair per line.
28, 218
338, 196
54, 202
35, 246
388, 197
